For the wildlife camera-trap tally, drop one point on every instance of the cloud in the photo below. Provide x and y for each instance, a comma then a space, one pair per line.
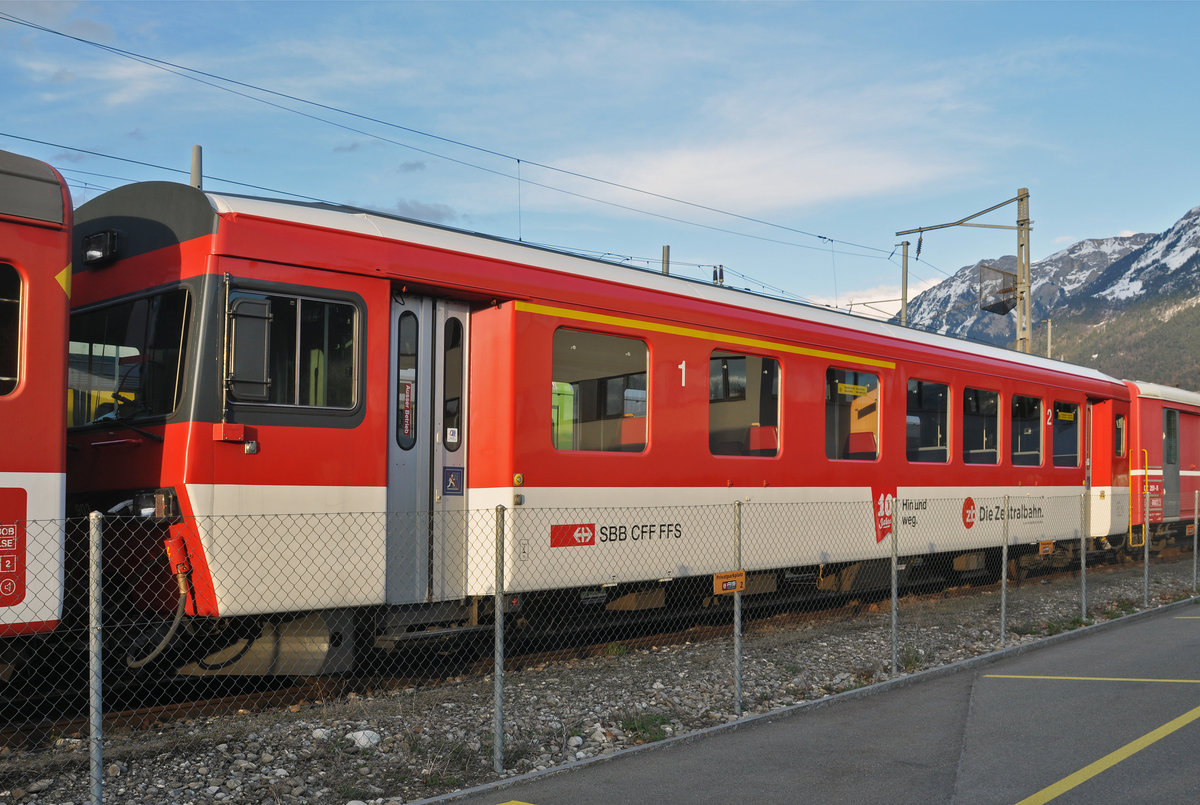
422, 211
877, 301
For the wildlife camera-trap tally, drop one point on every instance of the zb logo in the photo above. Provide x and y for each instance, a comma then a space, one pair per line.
970, 514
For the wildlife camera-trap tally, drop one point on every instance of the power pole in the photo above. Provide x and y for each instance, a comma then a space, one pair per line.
904, 287
1023, 283
1023, 280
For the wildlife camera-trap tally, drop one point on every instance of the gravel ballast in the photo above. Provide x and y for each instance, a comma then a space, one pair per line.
385, 747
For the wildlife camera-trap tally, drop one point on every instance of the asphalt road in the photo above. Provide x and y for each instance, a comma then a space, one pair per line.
1109, 714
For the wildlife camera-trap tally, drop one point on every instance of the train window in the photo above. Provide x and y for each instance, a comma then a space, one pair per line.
125, 360
851, 415
743, 405
452, 383
309, 349
980, 426
1119, 435
1026, 431
406, 381
598, 392
926, 425
1170, 436
10, 328
1066, 434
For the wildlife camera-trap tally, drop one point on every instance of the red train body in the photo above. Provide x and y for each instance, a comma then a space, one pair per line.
35, 282
240, 357
1165, 449
311, 406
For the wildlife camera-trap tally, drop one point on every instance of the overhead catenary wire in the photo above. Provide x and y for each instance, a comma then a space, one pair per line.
200, 76
607, 255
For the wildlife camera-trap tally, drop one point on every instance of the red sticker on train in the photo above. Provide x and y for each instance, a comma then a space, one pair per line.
12, 546
885, 502
572, 536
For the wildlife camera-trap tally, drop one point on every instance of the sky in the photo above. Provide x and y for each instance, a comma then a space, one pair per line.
787, 142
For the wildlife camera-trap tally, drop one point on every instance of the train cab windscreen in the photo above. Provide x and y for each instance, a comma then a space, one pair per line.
126, 359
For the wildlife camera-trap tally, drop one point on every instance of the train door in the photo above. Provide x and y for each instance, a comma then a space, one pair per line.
427, 451
1089, 446
1170, 463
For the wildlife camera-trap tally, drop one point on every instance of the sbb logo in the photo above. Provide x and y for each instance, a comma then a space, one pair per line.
970, 513
572, 536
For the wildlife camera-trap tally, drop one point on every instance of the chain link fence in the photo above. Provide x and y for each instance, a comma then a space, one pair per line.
332, 657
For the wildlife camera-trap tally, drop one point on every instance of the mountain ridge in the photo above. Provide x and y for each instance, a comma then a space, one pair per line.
1126, 305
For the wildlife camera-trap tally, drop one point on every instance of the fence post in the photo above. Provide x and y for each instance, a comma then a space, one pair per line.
498, 652
1004, 578
95, 646
1085, 521
737, 613
895, 601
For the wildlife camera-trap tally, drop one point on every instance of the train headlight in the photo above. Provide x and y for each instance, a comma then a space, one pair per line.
100, 247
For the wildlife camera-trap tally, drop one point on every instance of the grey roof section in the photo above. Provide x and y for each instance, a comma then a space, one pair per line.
1168, 393
146, 216
30, 189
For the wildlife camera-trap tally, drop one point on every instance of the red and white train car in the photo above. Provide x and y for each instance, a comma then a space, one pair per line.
240, 357
35, 284
1165, 446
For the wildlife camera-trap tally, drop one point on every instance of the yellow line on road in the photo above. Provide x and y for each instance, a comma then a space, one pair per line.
1111, 759
1093, 678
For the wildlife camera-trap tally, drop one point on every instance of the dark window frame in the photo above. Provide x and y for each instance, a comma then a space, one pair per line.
288, 373
976, 403
925, 450
596, 407
147, 363
1062, 457
844, 389
736, 426
1024, 423
11, 303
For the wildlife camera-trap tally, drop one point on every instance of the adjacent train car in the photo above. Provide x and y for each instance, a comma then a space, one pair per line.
35, 284
238, 362
1165, 447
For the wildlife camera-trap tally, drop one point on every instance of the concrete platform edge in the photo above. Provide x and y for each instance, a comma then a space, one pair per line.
807, 706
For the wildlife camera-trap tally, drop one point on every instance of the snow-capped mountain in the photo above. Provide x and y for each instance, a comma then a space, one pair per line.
1099, 277
1166, 266
952, 306
1129, 306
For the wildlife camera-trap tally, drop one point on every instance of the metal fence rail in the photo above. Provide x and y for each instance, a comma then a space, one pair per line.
549, 634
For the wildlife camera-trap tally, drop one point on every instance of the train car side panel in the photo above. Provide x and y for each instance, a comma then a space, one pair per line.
35, 283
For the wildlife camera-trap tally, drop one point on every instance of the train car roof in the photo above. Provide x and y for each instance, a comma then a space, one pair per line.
169, 212
31, 189
396, 228
1157, 391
